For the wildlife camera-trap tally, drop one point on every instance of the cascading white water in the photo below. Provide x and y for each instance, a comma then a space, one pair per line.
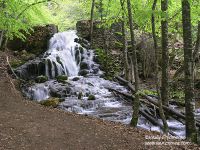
61, 55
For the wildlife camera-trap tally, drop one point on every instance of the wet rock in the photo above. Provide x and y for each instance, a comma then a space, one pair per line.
31, 69
83, 72
91, 97
84, 65
77, 57
80, 95
62, 78
41, 79
75, 79
81, 50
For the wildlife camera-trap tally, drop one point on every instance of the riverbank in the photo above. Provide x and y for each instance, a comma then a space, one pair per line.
28, 125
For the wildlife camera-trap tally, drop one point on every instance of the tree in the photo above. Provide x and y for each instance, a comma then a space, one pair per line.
165, 54
91, 20
124, 39
17, 17
191, 133
136, 103
161, 111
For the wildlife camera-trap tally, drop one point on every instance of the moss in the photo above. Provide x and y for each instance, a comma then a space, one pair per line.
16, 63
41, 79
62, 78
91, 97
52, 102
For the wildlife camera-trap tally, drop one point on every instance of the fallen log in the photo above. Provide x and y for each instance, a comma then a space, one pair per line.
154, 121
167, 109
127, 83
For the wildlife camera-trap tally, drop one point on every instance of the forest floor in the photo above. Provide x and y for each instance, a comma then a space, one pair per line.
27, 125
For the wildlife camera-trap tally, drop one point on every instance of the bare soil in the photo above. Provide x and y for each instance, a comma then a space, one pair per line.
26, 125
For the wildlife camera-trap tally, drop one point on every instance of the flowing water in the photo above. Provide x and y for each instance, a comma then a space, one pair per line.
66, 57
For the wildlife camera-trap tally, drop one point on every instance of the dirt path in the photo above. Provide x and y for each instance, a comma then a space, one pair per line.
25, 125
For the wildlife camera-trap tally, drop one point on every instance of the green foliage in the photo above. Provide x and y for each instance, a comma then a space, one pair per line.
149, 92
107, 63
18, 16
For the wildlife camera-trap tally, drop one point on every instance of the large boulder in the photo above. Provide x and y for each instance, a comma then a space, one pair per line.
36, 42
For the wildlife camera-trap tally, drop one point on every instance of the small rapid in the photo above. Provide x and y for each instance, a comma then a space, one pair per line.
66, 56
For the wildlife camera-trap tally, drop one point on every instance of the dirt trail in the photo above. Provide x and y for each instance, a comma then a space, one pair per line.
30, 126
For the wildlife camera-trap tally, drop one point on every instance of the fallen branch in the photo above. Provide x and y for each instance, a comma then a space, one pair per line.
11, 68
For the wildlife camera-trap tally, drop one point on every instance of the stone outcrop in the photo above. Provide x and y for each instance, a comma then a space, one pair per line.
36, 42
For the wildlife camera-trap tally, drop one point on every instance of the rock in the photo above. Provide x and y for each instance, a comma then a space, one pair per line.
15, 53
81, 50
91, 97
84, 65
75, 79
83, 72
41, 79
52, 102
31, 69
80, 95
23, 52
36, 42
62, 78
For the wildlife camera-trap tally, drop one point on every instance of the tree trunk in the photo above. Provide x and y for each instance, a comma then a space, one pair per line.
161, 111
197, 46
91, 21
195, 54
165, 55
136, 103
126, 64
191, 133
1, 38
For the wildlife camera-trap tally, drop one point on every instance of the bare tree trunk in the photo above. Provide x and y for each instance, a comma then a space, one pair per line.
197, 46
1, 38
195, 54
136, 103
165, 55
161, 111
91, 21
126, 64
191, 133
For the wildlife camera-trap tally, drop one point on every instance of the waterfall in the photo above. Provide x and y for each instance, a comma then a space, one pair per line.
60, 57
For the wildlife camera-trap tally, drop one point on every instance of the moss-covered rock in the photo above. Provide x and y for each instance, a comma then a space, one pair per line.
52, 102
91, 97
62, 78
84, 65
83, 72
16, 63
41, 79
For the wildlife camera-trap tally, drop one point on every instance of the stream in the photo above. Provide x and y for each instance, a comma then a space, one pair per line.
67, 57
